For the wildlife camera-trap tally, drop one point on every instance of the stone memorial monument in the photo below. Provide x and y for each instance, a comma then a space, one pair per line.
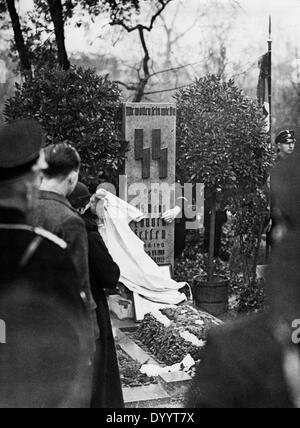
150, 130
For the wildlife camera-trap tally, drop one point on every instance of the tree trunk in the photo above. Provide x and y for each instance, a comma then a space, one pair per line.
143, 82
140, 91
257, 249
56, 11
25, 63
212, 236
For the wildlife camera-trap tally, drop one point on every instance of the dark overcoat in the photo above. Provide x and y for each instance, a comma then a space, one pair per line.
55, 213
104, 275
41, 303
242, 367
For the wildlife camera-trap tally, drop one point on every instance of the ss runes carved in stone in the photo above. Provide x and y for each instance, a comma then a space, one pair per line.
145, 154
159, 154
142, 154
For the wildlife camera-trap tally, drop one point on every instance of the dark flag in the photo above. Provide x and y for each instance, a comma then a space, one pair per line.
263, 94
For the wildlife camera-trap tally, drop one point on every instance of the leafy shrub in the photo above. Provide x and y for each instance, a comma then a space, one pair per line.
220, 139
227, 241
193, 262
221, 143
79, 107
253, 299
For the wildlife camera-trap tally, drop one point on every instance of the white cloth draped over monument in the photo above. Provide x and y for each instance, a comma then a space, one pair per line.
139, 273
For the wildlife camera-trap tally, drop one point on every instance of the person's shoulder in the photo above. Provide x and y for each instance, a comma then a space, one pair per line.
242, 326
72, 220
25, 234
58, 209
248, 336
55, 202
50, 238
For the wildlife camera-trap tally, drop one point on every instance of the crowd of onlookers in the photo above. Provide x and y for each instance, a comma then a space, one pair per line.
55, 268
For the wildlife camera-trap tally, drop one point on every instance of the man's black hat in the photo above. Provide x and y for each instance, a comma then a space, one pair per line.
20, 145
80, 197
285, 136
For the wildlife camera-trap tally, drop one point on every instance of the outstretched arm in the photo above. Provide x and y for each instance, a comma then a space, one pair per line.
171, 215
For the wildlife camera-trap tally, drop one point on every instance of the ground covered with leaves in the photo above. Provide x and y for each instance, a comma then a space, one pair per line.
130, 371
181, 331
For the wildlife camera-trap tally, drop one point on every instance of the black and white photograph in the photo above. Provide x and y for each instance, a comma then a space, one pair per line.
149, 195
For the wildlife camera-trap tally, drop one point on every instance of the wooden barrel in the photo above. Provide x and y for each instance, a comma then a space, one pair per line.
211, 297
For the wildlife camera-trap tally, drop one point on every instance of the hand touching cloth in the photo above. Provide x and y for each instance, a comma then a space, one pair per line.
171, 215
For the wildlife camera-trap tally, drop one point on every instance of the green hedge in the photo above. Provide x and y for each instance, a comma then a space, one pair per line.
79, 107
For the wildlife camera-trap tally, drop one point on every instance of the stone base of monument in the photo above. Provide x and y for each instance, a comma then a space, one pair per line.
176, 383
150, 396
121, 307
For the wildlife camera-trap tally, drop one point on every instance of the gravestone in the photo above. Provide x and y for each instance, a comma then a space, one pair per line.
150, 130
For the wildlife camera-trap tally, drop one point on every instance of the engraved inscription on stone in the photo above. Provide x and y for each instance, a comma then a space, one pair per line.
150, 130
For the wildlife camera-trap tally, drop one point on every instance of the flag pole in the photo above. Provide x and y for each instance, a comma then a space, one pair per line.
270, 41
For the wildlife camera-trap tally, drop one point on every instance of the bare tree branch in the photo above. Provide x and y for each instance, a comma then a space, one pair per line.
184, 33
146, 51
143, 80
163, 3
166, 90
127, 86
168, 70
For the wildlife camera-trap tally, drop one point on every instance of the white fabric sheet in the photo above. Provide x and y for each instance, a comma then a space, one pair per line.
139, 273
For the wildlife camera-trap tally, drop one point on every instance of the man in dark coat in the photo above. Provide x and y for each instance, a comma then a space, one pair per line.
40, 294
55, 213
104, 275
254, 363
285, 143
